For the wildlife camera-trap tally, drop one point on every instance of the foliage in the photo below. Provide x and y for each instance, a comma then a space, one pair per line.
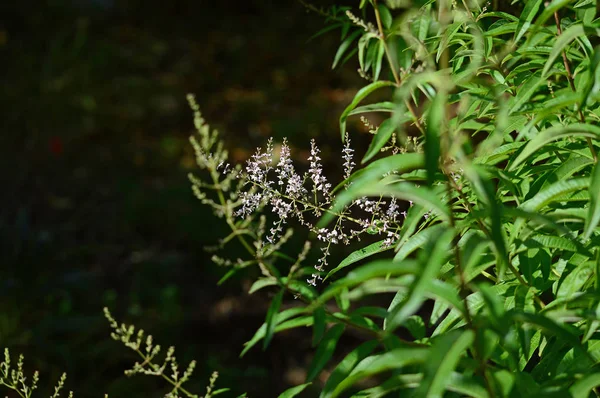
483, 180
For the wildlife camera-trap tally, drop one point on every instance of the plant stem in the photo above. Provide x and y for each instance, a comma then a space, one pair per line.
391, 62
148, 361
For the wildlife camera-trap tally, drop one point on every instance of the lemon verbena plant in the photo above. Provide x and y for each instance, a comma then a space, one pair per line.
482, 185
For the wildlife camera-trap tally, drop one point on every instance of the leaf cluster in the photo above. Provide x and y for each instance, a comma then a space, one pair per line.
496, 266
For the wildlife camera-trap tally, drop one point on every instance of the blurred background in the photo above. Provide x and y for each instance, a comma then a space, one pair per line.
95, 206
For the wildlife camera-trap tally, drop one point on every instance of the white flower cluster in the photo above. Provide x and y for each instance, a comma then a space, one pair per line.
275, 184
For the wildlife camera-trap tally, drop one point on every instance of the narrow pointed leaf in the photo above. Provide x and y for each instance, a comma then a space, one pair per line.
343, 369
343, 47
360, 254
283, 323
437, 253
318, 325
417, 241
294, 391
270, 321
365, 272
360, 95
573, 32
395, 359
583, 387
553, 134
262, 282
324, 351
443, 358
593, 217
435, 127
384, 132
529, 12
405, 191
554, 192
525, 92
385, 106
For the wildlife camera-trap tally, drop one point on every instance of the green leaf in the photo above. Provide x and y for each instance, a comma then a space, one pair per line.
398, 298
384, 106
384, 132
571, 166
344, 46
529, 12
283, 322
493, 303
583, 388
386, 16
435, 124
405, 191
499, 14
370, 366
397, 164
262, 282
362, 43
342, 299
473, 247
549, 11
554, 192
449, 34
324, 351
417, 241
434, 257
593, 217
343, 369
485, 190
363, 273
270, 321
292, 392
416, 326
548, 325
556, 243
525, 91
358, 255
318, 325
575, 280
443, 358
401, 381
445, 293
326, 29
501, 28
553, 134
360, 95
378, 59
573, 32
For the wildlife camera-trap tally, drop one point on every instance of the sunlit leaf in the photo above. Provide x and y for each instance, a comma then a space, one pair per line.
441, 361
360, 254
294, 391
360, 95
343, 369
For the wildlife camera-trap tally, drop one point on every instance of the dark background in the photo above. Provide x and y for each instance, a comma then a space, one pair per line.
95, 206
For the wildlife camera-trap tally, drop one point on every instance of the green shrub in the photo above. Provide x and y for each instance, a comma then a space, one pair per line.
482, 186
